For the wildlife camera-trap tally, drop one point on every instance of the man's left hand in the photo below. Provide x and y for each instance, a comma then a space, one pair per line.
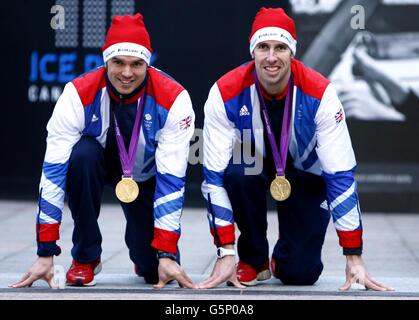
224, 270
171, 270
357, 273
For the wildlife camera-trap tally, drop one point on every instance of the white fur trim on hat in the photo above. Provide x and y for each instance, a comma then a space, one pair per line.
127, 49
273, 33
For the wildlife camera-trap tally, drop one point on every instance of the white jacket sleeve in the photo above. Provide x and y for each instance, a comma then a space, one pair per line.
219, 139
337, 159
172, 159
64, 130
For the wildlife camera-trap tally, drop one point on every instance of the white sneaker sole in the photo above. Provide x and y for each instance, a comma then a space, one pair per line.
261, 276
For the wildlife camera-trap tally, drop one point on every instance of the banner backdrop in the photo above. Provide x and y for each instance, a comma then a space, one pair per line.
369, 49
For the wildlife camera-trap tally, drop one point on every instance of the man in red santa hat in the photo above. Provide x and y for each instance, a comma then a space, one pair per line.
290, 117
126, 124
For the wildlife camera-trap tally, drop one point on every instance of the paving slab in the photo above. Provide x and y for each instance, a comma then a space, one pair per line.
391, 253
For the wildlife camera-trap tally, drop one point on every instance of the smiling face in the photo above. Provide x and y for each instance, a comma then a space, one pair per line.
273, 65
126, 73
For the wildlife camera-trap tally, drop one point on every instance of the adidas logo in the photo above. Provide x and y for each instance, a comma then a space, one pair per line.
94, 118
244, 111
324, 205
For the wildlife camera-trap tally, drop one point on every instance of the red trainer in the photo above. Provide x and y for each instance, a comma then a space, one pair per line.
263, 272
273, 267
83, 274
249, 275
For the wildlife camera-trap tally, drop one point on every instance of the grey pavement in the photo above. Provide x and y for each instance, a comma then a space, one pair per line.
391, 253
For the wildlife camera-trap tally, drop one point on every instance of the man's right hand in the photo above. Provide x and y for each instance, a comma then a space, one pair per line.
42, 268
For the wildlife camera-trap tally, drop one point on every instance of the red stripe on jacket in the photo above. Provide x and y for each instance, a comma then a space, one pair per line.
48, 232
350, 239
225, 235
165, 240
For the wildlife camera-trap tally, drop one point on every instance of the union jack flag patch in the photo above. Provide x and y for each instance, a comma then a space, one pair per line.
185, 123
339, 116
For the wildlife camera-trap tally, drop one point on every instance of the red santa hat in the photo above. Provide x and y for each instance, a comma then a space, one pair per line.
127, 36
273, 24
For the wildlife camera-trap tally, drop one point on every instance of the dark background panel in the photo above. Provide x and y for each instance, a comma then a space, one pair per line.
195, 42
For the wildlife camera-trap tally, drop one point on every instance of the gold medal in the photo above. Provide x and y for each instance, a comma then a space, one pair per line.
127, 190
280, 188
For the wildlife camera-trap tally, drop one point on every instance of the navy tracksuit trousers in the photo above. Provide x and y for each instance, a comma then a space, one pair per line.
90, 168
302, 222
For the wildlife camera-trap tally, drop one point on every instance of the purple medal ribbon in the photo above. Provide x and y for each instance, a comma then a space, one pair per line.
280, 159
128, 159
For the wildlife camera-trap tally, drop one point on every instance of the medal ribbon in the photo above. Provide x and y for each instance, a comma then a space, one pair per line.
280, 159
128, 158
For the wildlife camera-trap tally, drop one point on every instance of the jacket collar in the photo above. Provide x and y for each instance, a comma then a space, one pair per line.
270, 97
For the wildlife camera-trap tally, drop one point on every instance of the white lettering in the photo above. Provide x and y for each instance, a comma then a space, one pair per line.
358, 20
44, 94
58, 21
182, 310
